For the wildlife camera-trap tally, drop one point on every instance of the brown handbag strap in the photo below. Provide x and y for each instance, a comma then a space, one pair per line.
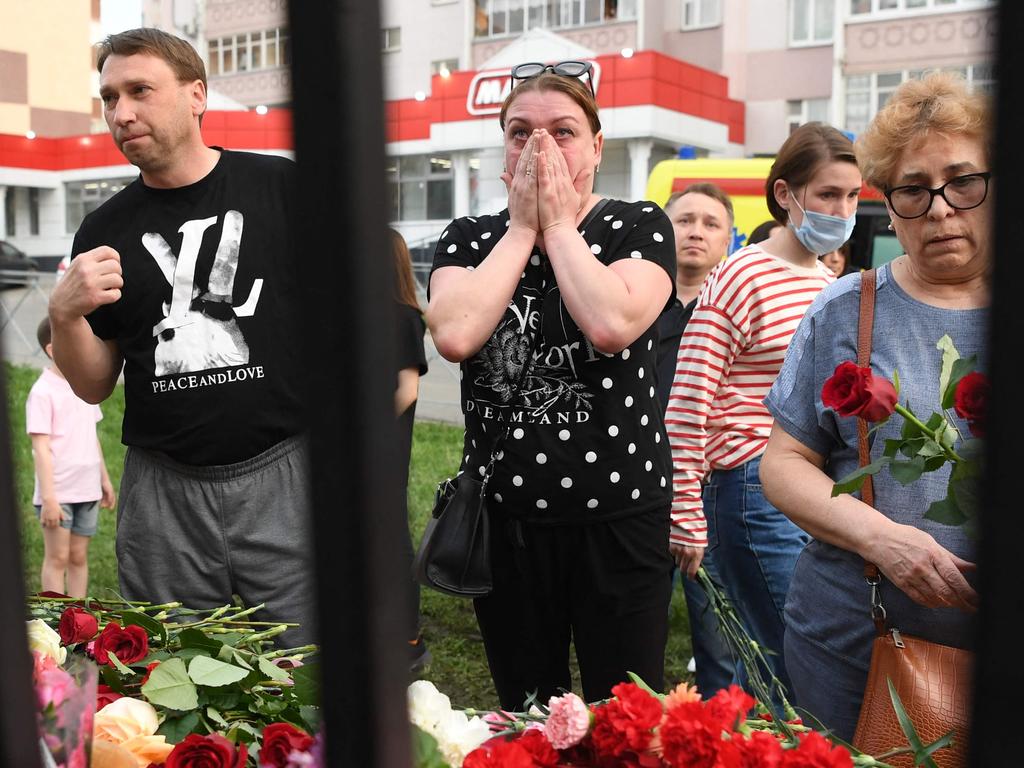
865, 328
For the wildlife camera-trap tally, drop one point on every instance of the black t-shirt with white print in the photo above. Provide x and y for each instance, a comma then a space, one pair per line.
587, 439
206, 321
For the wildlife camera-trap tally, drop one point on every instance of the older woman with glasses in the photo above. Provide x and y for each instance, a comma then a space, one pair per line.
928, 152
550, 307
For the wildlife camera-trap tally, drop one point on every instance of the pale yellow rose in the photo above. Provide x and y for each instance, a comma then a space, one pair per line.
131, 724
43, 639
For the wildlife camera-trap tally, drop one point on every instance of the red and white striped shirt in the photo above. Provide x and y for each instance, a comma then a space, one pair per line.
729, 355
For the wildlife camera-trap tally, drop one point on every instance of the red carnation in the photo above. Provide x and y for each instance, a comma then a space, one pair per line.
761, 750
210, 751
279, 741
729, 705
499, 753
855, 391
536, 743
627, 721
815, 751
128, 644
76, 626
970, 401
690, 737
104, 695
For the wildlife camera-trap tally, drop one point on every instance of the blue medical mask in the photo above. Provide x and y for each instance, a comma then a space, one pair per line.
820, 233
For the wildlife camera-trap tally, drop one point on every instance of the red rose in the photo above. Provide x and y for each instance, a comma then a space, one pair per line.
815, 751
855, 391
499, 753
104, 695
210, 751
279, 741
690, 736
76, 626
970, 401
128, 645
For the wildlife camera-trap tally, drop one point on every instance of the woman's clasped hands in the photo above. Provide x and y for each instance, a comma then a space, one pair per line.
542, 194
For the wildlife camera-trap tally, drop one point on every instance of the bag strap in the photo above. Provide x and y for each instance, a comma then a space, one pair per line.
865, 328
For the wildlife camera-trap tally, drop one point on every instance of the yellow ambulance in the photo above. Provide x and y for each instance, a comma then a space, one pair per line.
743, 179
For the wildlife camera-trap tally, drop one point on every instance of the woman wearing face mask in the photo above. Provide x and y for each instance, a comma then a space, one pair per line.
729, 355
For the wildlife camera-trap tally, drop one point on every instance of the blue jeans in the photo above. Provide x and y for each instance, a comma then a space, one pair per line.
711, 653
755, 548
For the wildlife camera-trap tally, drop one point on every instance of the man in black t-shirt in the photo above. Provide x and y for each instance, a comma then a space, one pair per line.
184, 278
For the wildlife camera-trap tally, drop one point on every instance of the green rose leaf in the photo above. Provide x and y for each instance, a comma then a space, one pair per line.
892, 447
153, 627
947, 511
271, 670
242, 732
307, 683
169, 686
112, 679
854, 480
212, 673
930, 448
120, 666
934, 462
175, 729
949, 356
960, 369
906, 472
270, 706
217, 717
222, 699
310, 716
193, 638
425, 751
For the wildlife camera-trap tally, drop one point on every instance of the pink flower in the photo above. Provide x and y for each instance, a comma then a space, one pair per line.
53, 687
568, 722
42, 662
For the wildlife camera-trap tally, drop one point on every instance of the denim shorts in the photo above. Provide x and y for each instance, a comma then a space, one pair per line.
79, 517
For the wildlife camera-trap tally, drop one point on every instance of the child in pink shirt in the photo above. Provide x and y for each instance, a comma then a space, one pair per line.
71, 478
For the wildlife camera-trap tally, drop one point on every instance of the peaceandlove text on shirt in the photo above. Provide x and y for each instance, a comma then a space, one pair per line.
195, 381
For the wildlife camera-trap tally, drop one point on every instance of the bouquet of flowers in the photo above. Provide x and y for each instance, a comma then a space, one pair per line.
175, 686
923, 446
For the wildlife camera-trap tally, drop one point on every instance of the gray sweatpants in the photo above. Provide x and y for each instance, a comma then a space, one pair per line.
202, 534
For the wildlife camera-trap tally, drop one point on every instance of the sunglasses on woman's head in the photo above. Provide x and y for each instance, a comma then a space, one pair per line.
575, 69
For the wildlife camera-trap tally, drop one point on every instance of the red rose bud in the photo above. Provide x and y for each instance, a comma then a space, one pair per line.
279, 741
210, 751
970, 401
77, 626
128, 645
855, 391
104, 695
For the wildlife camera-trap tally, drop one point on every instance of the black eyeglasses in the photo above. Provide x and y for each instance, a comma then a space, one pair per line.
564, 68
961, 192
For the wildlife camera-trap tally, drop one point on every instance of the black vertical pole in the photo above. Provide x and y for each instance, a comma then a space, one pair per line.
19, 744
999, 676
344, 256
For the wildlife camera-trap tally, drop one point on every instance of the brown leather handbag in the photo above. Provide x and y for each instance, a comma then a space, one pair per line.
933, 681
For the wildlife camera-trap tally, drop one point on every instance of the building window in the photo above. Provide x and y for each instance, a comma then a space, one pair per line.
249, 51
867, 94
84, 197
806, 111
811, 21
443, 67
503, 17
886, 7
391, 39
698, 14
420, 187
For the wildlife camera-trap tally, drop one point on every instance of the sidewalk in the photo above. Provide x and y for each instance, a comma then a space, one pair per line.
21, 309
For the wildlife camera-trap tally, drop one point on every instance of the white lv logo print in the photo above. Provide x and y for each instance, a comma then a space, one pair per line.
179, 271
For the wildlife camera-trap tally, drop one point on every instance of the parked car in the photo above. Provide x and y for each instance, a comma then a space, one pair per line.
13, 266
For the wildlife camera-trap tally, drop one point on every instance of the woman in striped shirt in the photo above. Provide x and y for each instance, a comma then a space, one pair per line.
729, 355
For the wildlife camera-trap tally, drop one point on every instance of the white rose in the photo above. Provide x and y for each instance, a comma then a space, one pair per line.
459, 735
43, 639
427, 706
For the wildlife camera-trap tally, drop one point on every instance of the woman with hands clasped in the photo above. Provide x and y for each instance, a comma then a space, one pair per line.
569, 286
927, 150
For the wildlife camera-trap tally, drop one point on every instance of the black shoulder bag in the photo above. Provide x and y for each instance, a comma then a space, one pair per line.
454, 555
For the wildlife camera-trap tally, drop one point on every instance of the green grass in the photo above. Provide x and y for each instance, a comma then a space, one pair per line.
459, 667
